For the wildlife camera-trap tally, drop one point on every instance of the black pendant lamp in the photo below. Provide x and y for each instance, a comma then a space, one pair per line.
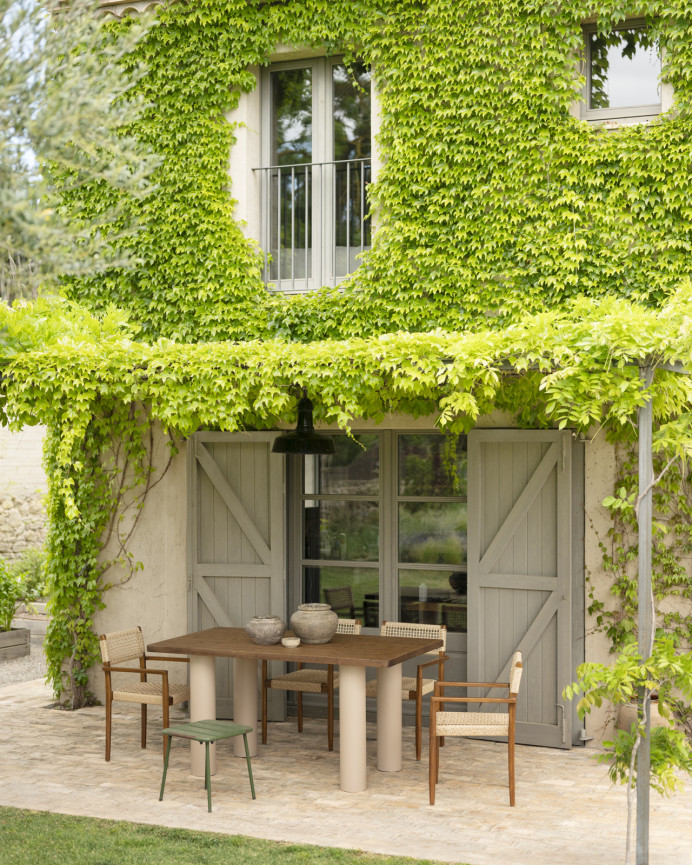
304, 440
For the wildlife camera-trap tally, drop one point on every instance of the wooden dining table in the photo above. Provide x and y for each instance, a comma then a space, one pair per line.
352, 653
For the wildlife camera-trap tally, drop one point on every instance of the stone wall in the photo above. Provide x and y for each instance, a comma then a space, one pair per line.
22, 488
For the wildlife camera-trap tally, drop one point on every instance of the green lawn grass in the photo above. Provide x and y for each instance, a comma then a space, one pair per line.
31, 837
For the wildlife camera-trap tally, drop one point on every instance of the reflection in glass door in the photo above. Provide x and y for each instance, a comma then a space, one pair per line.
341, 525
431, 530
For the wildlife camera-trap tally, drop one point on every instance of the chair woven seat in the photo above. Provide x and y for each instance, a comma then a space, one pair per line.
150, 693
472, 723
308, 681
408, 687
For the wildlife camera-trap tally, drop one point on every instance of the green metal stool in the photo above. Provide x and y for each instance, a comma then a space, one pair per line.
206, 732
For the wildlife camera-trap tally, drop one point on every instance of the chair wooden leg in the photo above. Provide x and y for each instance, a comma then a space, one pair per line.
109, 721
264, 702
330, 708
300, 711
432, 771
510, 748
144, 725
419, 724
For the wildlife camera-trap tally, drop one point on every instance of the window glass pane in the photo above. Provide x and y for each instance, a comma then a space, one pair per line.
351, 104
422, 468
353, 469
432, 533
341, 530
625, 66
291, 124
433, 598
362, 582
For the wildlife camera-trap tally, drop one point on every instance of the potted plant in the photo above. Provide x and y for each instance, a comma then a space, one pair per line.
14, 642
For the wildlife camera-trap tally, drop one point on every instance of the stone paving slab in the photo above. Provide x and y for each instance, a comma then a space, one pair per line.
567, 811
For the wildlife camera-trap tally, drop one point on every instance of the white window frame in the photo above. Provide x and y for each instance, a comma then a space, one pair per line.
322, 198
629, 114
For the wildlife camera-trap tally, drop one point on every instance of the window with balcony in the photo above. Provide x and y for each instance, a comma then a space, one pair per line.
316, 165
623, 69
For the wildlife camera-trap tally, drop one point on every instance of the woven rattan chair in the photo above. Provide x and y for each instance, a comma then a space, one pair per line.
444, 723
415, 688
310, 681
120, 647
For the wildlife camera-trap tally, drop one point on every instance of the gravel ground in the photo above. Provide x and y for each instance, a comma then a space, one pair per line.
31, 666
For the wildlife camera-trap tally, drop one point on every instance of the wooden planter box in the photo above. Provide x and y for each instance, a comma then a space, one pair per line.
15, 643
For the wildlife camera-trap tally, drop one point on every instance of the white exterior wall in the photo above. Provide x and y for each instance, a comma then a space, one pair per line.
22, 488
156, 596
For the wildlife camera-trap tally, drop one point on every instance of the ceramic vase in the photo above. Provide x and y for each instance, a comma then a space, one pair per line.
265, 630
314, 623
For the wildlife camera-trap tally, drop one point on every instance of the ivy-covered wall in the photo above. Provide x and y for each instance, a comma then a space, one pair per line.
497, 211
493, 199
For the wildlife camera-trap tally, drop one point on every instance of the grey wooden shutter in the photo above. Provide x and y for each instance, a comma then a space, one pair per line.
237, 539
519, 572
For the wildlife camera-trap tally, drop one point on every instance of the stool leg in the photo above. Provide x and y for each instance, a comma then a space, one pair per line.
249, 766
207, 774
167, 740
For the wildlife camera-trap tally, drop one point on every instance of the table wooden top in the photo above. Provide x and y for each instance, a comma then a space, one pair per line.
357, 650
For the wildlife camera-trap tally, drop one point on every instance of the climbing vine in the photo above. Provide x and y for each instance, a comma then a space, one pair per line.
522, 260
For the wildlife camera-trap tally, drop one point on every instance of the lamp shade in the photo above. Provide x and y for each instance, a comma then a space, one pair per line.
304, 439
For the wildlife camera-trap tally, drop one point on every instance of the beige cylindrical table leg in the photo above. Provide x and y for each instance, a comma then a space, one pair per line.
202, 706
352, 762
245, 703
389, 718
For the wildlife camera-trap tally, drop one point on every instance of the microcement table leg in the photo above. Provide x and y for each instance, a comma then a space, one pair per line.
202, 706
245, 703
353, 769
389, 718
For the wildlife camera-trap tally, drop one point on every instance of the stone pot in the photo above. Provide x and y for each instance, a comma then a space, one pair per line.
314, 623
627, 714
265, 630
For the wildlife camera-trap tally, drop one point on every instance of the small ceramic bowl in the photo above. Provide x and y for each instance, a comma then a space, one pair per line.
290, 642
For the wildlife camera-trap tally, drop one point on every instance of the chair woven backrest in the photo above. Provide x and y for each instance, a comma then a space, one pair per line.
413, 629
515, 673
122, 646
340, 598
348, 626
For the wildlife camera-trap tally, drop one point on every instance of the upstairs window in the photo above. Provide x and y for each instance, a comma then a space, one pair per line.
316, 165
623, 69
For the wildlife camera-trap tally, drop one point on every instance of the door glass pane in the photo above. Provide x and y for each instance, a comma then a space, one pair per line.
362, 582
291, 116
433, 598
353, 469
432, 533
352, 142
423, 469
625, 66
341, 530
290, 188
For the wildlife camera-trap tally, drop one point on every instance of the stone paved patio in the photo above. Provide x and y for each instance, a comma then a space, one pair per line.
566, 812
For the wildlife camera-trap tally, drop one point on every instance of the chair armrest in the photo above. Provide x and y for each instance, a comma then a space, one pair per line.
166, 658
446, 700
473, 684
435, 661
138, 670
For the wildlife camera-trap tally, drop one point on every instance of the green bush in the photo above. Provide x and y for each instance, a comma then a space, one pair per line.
21, 581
